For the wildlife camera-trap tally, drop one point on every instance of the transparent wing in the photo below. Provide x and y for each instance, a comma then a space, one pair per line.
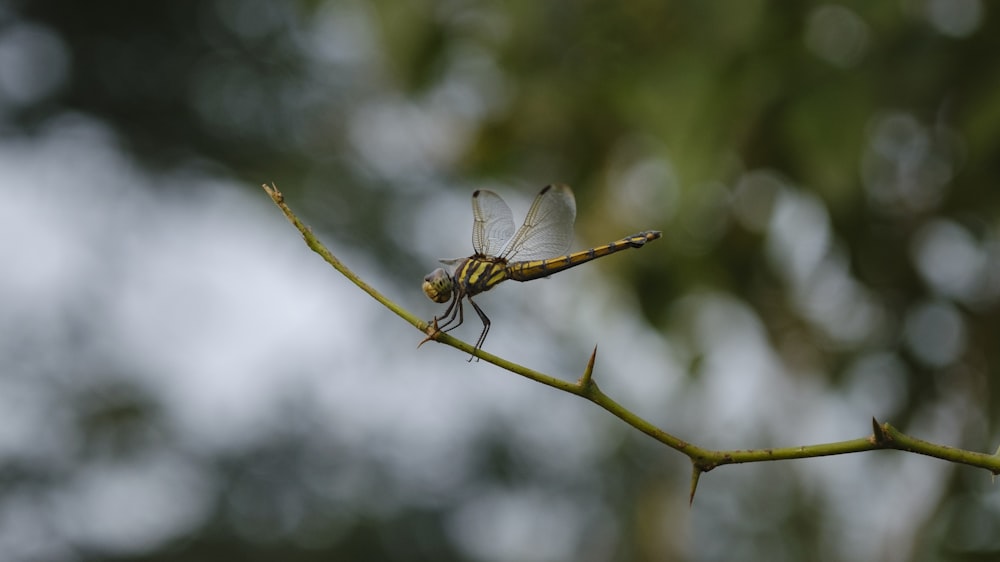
493, 223
547, 231
451, 265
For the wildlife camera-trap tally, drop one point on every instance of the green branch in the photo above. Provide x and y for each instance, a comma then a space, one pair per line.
884, 436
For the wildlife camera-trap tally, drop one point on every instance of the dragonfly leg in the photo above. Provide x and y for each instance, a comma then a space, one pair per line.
453, 312
486, 325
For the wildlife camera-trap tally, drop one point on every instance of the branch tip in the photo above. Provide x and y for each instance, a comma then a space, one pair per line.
272, 190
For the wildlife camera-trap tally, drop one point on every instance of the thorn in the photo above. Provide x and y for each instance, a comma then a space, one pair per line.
432, 331
878, 432
587, 378
695, 475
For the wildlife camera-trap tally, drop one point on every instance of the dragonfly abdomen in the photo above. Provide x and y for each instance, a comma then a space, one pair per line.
529, 270
477, 274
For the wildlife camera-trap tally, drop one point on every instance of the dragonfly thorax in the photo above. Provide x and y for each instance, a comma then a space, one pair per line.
438, 286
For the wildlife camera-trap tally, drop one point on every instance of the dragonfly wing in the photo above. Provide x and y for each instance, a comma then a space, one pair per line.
452, 264
548, 229
493, 223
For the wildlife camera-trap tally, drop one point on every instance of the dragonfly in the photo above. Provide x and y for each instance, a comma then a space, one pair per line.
538, 249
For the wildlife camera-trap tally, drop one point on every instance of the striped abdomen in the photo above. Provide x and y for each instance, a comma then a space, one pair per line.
528, 270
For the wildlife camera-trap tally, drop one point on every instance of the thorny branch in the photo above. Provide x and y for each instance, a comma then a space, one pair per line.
884, 435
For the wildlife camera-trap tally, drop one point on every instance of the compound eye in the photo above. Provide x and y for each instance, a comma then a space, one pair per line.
438, 286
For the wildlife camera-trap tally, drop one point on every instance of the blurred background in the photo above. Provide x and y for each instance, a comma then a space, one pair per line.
182, 379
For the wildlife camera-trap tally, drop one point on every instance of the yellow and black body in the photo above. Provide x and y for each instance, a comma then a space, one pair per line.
546, 231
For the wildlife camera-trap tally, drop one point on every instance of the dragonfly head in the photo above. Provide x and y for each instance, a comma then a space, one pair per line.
438, 286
